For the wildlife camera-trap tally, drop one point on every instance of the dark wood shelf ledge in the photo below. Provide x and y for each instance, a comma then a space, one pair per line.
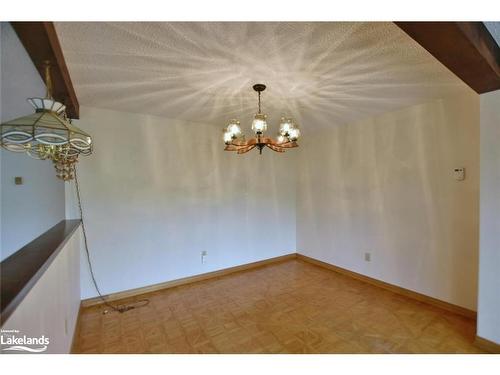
20, 271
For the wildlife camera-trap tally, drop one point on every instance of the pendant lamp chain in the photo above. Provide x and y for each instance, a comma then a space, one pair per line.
48, 80
259, 103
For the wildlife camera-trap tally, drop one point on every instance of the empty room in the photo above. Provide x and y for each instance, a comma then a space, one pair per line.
250, 187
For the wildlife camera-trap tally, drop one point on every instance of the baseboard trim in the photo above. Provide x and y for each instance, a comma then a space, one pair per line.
227, 271
393, 288
77, 330
487, 345
186, 280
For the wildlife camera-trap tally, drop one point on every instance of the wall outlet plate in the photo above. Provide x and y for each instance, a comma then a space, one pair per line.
459, 173
368, 257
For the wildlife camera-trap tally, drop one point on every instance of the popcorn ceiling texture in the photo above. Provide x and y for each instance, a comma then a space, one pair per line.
494, 29
321, 73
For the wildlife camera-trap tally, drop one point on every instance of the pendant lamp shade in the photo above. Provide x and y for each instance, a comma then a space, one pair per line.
46, 133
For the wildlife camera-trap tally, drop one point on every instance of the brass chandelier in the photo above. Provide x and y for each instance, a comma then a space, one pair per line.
47, 134
287, 138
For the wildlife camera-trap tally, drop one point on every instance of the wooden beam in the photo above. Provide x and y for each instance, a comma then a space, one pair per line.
466, 48
41, 42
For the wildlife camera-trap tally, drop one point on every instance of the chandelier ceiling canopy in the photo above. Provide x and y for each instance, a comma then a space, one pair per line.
47, 134
288, 134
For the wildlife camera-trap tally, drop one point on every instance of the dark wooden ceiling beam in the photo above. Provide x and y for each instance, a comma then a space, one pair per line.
41, 42
466, 48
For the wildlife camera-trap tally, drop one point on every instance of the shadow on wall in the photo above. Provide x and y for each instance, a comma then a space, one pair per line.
29, 209
385, 186
157, 192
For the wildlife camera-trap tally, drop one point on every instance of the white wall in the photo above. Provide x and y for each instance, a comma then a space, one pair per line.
385, 186
51, 307
157, 192
488, 323
1, 111
30, 209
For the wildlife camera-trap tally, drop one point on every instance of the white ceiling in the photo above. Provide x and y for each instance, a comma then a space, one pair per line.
319, 73
494, 29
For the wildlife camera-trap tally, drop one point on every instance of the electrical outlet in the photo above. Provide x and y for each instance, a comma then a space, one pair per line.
368, 257
66, 326
204, 254
459, 174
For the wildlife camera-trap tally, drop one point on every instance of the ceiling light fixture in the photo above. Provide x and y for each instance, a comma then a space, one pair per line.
234, 139
47, 134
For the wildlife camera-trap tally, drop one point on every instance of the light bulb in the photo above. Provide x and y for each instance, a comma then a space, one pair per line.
294, 134
285, 126
234, 129
259, 124
282, 139
227, 137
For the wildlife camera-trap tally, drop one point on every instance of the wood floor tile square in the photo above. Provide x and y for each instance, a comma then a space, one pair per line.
288, 307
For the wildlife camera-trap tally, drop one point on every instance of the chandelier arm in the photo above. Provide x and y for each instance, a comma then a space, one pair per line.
246, 149
238, 146
275, 148
288, 145
231, 147
266, 140
239, 143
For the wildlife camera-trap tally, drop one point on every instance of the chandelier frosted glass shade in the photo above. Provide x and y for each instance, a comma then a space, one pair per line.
294, 134
227, 137
281, 139
234, 129
286, 125
259, 124
287, 138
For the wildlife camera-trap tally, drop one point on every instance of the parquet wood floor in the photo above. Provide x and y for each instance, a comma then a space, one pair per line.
289, 307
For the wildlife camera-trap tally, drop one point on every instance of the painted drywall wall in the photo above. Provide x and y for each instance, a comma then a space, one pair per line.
51, 307
385, 186
1, 39
157, 192
29, 209
488, 322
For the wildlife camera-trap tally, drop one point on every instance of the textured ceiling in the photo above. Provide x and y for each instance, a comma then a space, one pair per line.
494, 29
319, 73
